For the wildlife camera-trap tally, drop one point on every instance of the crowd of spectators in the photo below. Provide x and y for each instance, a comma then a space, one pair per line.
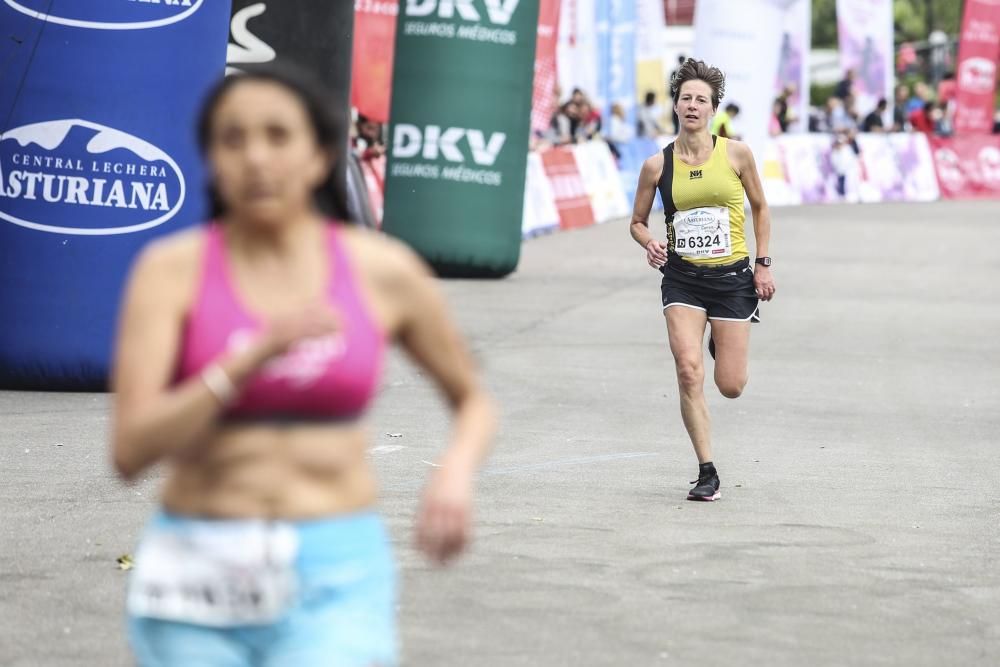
918, 109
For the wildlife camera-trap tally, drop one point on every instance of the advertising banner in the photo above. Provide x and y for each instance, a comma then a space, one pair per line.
311, 34
793, 63
577, 52
371, 73
543, 96
915, 162
540, 212
897, 167
978, 53
865, 34
809, 169
650, 73
743, 39
97, 156
774, 178
567, 185
968, 167
616, 74
600, 180
460, 121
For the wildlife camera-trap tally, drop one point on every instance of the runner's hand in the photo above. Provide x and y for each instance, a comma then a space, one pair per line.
763, 283
312, 322
443, 524
656, 253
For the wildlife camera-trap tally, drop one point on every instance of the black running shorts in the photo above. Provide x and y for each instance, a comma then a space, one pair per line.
723, 292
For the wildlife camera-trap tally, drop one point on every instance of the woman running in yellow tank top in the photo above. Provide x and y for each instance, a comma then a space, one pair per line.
705, 262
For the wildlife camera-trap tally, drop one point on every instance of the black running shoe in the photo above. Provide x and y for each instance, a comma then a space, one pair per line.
706, 488
711, 346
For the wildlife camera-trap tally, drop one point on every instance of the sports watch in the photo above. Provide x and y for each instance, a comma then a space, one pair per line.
763, 261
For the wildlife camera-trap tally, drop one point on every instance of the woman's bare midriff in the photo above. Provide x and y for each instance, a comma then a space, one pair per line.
279, 471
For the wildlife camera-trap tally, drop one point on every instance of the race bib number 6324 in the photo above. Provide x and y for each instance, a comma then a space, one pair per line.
702, 232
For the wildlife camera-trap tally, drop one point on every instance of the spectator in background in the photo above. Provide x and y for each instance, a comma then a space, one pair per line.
899, 122
722, 123
838, 119
845, 88
947, 88
819, 119
780, 109
773, 124
921, 119
941, 119
673, 114
921, 96
649, 117
565, 123
873, 121
590, 122
368, 143
906, 61
844, 160
619, 131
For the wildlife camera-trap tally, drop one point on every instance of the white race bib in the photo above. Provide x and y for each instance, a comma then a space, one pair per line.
702, 232
234, 573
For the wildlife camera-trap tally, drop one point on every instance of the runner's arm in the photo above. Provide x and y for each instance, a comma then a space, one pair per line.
747, 171
429, 336
150, 419
645, 193
427, 333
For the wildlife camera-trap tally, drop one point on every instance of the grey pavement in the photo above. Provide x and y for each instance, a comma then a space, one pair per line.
860, 519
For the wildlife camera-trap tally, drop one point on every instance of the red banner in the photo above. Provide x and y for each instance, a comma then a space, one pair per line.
371, 73
543, 96
978, 51
968, 167
568, 188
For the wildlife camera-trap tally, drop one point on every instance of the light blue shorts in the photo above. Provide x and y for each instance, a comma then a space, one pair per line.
338, 618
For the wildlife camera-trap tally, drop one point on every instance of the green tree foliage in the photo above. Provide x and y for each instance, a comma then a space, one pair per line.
914, 20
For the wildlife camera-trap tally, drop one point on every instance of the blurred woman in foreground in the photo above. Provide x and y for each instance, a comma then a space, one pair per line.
248, 352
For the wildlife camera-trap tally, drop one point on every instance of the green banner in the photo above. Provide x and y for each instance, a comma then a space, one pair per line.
460, 120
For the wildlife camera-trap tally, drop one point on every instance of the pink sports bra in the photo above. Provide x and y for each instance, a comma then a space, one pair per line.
332, 377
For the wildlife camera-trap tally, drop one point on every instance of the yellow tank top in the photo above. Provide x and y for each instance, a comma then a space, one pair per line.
704, 208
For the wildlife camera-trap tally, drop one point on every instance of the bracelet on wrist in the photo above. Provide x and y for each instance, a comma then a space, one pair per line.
219, 383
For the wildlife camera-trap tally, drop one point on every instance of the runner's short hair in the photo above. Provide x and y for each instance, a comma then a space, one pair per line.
698, 70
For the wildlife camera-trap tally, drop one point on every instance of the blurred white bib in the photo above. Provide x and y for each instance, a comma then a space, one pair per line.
234, 573
702, 232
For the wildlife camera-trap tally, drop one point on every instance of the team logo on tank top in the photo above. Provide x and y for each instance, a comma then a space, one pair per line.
695, 173
303, 364
118, 15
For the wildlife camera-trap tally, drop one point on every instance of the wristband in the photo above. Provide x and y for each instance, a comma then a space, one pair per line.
218, 383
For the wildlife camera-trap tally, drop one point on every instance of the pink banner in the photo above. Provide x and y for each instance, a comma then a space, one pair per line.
978, 50
543, 97
371, 73
968, 167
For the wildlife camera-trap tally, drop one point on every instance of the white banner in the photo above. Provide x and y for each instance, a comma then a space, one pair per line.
540, 212
743, 39
793, 63
576, 53
865, 33
601, 181
649, 28
778, 189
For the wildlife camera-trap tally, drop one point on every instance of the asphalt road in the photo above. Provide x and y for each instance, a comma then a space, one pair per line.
859, 522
